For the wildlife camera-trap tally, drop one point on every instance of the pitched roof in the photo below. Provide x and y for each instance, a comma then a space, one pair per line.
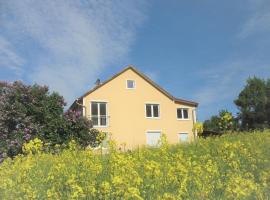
176, 100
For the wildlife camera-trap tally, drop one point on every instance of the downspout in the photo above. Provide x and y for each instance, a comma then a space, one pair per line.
194, 122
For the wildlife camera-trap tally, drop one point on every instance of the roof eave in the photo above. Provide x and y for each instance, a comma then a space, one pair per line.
190, 103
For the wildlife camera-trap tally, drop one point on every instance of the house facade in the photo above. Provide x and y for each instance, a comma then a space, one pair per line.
135, 111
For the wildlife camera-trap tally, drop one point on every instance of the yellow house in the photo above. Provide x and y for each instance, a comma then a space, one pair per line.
136, 111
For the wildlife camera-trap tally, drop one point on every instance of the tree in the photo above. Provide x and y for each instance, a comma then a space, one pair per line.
222, 123
268, 102
211, 124
253, 102
226, 121
28, 112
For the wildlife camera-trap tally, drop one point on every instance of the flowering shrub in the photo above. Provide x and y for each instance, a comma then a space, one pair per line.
33, 146
226, 121
198, 127
28, 112
233, 166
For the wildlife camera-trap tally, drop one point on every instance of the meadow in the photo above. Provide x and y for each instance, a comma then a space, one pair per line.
233, 166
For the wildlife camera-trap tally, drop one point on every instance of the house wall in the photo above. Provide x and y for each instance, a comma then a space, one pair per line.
126, 109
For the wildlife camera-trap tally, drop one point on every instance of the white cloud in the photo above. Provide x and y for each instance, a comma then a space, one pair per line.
258, 23
221, 84
218, 82
76, 39
8, 57
259, 20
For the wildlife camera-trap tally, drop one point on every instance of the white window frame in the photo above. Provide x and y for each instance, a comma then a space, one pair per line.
152, 110
182, 132
134, 84
98, 116
182, 112
152, 131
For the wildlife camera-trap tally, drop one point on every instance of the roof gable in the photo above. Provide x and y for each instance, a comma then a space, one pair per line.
147, 79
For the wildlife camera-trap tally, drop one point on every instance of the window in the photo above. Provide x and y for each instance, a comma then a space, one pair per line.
99, 113
152, 110
182, 137
153, 138
130, 84
182, 113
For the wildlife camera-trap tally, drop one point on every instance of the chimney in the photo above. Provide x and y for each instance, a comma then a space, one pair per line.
98, 82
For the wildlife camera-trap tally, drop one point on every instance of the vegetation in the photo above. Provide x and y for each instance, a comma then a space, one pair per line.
48, 158
197, 128
222, 123
233, 166
28, 112
253, 103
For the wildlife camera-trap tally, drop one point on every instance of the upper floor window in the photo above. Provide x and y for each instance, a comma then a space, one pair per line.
152, 110
99, 113
130, 84
182, 113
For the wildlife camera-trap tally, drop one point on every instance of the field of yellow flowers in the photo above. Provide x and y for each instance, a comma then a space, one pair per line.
234, 166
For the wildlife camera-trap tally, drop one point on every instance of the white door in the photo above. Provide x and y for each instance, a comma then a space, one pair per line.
153, 138
183, 137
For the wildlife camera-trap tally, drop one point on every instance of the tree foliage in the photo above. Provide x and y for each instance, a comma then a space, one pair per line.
267, 89
211, 124
221, 123
28, 112
253, 103
226, 121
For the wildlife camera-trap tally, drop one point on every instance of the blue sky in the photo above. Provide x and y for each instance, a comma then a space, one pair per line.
198, 50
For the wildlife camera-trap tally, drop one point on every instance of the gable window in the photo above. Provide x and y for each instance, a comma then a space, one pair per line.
182, 113
130, 84
99, 113
152, 110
